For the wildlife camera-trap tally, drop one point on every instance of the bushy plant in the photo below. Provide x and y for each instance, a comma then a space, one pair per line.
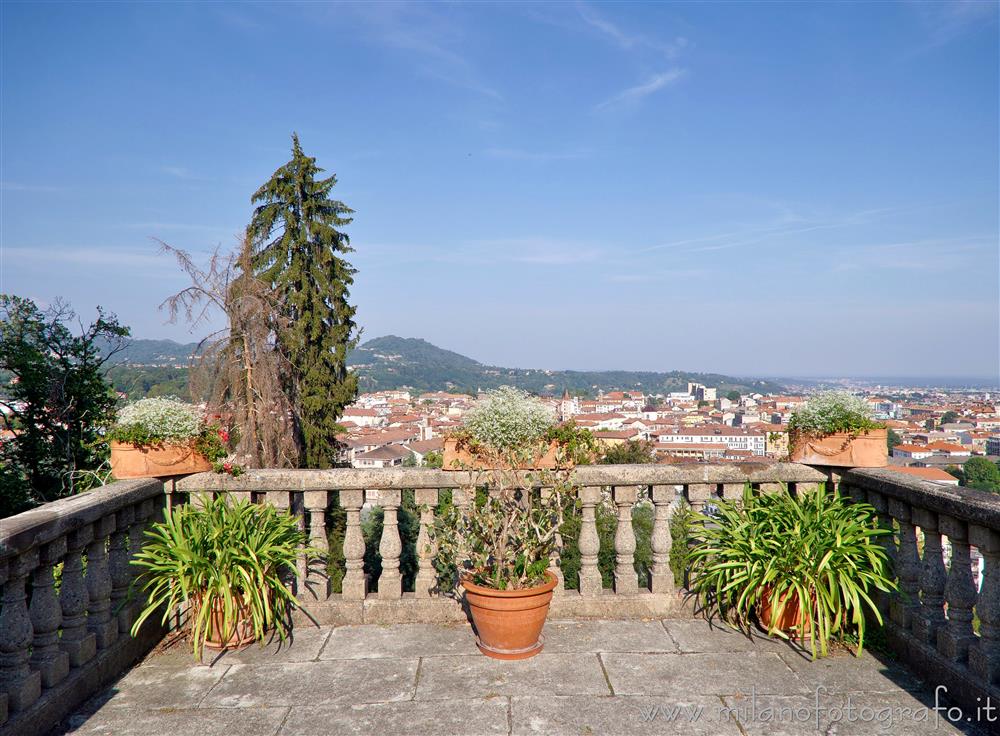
818, 550
830, 412
221, 556
508, 423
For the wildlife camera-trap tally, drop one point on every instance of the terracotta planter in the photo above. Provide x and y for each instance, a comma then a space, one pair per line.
790, 619
156, 461
241, 635
865, 450
460, 458
509, 622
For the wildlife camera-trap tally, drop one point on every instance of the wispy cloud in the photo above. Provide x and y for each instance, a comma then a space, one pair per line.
627, 40
640, 277
179, 226
950, 20
632, 95
179, 172
518, 154
85, 256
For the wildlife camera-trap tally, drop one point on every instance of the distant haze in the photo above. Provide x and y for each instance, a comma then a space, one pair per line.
767, 189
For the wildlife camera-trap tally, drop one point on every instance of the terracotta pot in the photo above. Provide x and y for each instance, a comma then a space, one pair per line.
509, 622
460, 458
791, 619
242, 633
865, 450
156, 461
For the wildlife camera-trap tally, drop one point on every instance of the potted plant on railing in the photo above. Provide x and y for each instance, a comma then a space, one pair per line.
502, 539
803, 566
161, 437
224, 566
836, 428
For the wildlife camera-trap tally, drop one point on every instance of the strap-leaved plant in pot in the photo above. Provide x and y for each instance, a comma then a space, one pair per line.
503, 538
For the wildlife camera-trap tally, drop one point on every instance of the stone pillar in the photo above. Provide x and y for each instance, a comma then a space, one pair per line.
626, 580
354, 546
984, 659
732, 491
22, 685
661, 576
317, 581
119, 555
960, 593
76, 641
99, 619
51, 662
933, 576
390, 584
591, 585
905, 606
426, 579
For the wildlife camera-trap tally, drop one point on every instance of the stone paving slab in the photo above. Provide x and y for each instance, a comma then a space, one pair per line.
481, 677
315, 683
843, 714
400, 640
631, 715
699, 636
607, 636
200, 721
303, 646
594, 677
439, 717
687, 675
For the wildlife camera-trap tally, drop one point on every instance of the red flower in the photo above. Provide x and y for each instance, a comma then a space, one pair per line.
224, 435
228, 467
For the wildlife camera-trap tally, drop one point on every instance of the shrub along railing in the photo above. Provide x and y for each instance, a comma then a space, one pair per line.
930, 622
64, 568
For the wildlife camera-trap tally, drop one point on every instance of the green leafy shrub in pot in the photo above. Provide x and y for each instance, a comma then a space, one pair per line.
225, 563
819, 551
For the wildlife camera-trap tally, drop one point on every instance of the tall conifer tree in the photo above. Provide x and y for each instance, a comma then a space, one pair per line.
299, 249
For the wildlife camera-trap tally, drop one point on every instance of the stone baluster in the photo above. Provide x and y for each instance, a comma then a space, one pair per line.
888, 542
661, 576
591, 585
626, 581
354, 587
772, 488
99, 619
984, 659
145, 514
732, 491
281, 501
317, 581
956, 636
22, 684
905, 606
426, 579
933, 576
119, 567
699, 494
390, 584
76, 641
51, 662
556, 556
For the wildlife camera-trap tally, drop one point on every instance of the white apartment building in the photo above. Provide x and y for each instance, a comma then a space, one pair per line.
733, 439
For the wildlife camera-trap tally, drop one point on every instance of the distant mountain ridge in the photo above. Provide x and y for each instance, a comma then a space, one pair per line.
390, 362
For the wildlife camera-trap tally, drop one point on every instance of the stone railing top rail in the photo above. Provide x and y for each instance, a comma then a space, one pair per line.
23, 532
967, 504
586, 475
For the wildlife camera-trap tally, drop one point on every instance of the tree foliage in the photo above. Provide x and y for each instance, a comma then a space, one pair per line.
56, 404
981, 474
241, 369
630, 452
298, 248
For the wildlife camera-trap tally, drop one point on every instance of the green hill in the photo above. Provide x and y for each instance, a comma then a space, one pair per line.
394, 362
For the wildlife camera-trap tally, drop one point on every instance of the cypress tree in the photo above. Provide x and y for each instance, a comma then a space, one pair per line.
299, 250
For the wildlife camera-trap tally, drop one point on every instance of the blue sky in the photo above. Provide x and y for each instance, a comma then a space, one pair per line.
800, 189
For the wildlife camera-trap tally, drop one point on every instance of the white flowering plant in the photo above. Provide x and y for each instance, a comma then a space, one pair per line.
503, 537
168, 421
830, 412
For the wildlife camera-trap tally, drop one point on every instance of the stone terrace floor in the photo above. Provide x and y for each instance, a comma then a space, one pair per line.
596, 677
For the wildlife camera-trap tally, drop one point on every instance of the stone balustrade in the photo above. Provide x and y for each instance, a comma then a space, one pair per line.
930, 619
66, 617
65, 572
